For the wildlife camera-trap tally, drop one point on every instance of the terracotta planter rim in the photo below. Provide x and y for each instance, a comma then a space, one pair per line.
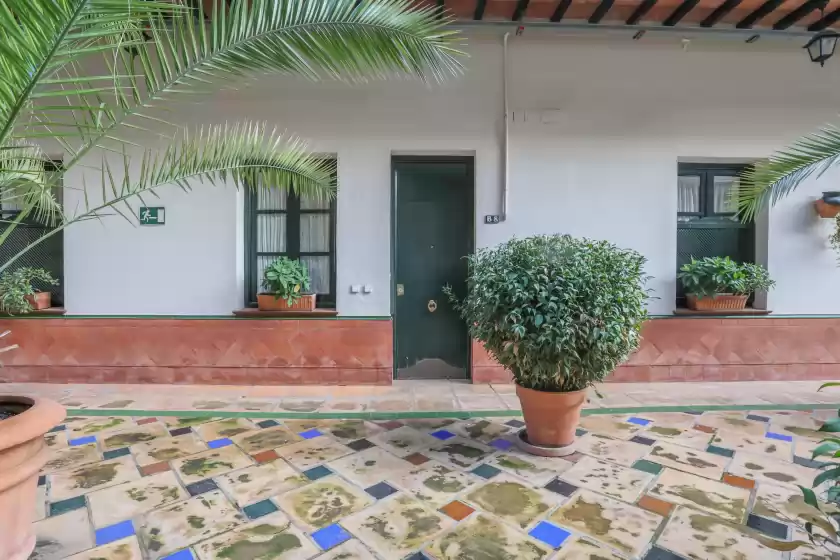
42, 416
521, 388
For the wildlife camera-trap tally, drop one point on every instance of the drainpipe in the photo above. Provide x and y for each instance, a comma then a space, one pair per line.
505, 138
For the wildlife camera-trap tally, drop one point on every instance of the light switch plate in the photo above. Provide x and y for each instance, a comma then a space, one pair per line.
368, 289
355, 289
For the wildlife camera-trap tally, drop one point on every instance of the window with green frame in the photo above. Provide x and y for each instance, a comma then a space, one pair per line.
278, 222
48, 254
707, 218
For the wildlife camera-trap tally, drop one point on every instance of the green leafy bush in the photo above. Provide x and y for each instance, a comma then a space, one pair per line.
17, 284
286, 278
559, 312
722, 275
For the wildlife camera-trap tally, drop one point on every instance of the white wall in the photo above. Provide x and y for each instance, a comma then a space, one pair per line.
627, 113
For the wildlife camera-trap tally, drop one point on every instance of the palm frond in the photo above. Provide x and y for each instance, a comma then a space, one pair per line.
39, 37
245, 155
768, 181
24, 185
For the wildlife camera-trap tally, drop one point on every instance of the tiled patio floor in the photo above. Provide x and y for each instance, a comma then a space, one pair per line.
654, 485
417, 398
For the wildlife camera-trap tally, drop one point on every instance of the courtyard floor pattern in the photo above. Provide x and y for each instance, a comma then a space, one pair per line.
653, 485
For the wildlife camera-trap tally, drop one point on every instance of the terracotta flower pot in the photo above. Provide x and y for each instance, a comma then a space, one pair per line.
22, 455
718, 301
826, 210
268, 302
41, 300
550, 418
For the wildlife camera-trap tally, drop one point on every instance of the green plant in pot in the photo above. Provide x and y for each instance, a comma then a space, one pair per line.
18, 295
560, 313
719, 283
287, 284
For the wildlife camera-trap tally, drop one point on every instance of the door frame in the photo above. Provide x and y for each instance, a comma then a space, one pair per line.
469, 161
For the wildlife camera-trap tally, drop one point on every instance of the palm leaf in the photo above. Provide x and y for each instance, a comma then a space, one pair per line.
244, 155
770, 180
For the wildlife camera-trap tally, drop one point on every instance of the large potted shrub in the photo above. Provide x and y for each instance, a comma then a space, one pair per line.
719, 283
18, 293
287, 284
560, 314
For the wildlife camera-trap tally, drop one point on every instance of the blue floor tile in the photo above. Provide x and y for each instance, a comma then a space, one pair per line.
443, 435
316, 473
780, 437
82, 440
185, 554
638, 421
550, 534
580, 432
502, 444
309, 434
330, 537
217, 443
114, 532
381, 490
259, 509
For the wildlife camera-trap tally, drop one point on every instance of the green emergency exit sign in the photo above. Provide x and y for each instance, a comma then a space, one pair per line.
152, 215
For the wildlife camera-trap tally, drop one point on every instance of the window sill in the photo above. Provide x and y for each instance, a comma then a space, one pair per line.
748, 312
253, 312
48, 312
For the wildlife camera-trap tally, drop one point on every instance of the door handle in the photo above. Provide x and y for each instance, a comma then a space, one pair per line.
431, 306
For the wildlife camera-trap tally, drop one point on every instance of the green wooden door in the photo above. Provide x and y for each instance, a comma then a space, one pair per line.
433, 230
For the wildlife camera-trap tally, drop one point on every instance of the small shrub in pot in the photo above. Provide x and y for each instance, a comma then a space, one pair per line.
17, 293
287, 283
721, 283
560, 313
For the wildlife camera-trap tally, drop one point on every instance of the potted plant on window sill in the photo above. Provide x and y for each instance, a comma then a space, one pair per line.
17, 294
560, 314
829, 205
287, 284
721, 284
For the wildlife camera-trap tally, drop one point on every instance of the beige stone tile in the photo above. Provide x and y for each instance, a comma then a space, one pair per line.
224, 428
609, 479
764, 469
538, 471
615, 450
460, 452
711, 496
480, 429
429, 425
733, 422
123, 549
130, 436
40, 503
125, 501
258, 482
584, 549
323, 503
308, 453
97, 424
809, 551
435, 483
482, 536
351, 430
56, 440
254, 405
511, 500
179, 525
688, 437
699, 536
694, 461
175, 422
344, 405
370, 467
397, 527
783, 503
616, 524
300, 404
212, 462
267, 438
71, 457
609, 425
760, 445
678, 420
210, 404
62, 535
298, 426
351, 550
801, 427
804, 447
271, 537
404, 441
167, 449
67, 484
